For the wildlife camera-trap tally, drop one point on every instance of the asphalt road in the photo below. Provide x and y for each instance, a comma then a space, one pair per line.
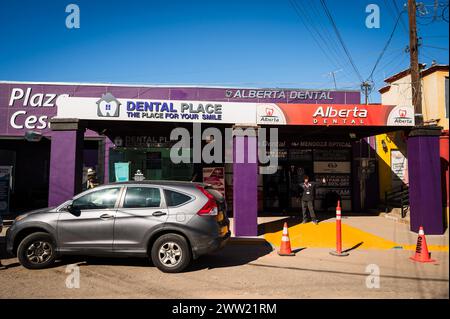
238, 271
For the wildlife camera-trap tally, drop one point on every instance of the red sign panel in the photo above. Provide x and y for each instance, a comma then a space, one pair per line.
336, 114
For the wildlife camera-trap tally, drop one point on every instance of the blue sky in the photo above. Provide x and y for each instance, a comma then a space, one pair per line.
238, 43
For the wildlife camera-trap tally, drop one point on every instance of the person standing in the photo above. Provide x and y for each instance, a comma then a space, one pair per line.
307, 198
91, 179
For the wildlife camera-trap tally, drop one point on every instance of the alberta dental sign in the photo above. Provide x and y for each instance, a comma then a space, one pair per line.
335, 114
108, 107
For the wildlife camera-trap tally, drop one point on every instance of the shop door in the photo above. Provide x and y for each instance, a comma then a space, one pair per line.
281, 190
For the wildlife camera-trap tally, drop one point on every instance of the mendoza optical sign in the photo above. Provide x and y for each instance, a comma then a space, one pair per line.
110, 108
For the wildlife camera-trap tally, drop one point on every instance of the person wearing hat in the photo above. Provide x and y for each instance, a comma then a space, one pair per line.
91, 179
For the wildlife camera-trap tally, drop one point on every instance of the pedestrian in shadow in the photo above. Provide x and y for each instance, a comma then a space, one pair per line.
309, 190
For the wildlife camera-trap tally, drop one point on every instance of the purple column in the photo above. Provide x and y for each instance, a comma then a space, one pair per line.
66, 161
245, 184
425, 180
107, 147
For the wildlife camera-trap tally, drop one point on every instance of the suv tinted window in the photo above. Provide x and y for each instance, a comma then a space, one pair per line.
174, 198
101, 199
140, 197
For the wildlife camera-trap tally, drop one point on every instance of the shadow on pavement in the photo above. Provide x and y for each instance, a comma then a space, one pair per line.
298, 250
231, 255
234, 254
277, 225
353, 248
3, 254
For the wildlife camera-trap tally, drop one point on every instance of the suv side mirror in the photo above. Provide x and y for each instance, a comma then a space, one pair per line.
73, 210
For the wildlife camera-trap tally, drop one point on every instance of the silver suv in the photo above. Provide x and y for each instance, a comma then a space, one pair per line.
171, 222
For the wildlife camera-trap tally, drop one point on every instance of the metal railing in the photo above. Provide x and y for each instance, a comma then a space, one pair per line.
398, 198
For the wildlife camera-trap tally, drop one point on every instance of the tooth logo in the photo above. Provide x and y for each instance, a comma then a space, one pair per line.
108, 106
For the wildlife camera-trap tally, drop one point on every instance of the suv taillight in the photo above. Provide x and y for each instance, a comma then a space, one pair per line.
210, 208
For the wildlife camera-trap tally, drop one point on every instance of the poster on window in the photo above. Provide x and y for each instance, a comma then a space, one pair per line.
122, 171
5, 188
399, 169
215, 176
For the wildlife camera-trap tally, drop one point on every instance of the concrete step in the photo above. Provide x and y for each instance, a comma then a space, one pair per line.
396, 215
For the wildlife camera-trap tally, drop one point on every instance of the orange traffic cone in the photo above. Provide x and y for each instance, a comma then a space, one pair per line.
422, 255
285, 248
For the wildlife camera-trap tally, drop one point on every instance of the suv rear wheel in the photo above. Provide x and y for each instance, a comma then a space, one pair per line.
37, 251
171, 253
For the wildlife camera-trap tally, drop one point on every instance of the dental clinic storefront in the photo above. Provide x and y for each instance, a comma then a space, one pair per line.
320, 133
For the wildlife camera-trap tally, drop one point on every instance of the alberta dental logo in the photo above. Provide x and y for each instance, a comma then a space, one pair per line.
108, 106
401, 115
270, 114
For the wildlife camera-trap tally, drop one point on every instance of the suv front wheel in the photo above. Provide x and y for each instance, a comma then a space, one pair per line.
171, 253
37, 251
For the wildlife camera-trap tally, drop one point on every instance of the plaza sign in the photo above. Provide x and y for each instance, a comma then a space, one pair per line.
29, 101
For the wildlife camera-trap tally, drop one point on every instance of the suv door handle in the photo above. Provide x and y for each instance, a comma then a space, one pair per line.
159, 213
106, 216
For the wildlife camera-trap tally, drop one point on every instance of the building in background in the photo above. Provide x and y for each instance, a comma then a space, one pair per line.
321, 133
392, 148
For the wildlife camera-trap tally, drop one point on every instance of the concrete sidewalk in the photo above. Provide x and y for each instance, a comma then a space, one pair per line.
365, 232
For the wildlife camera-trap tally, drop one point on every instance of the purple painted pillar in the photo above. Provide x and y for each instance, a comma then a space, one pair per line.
245, 183
424, 172
66, 161
108, 144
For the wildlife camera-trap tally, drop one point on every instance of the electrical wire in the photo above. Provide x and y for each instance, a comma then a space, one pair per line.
315, 22
386, 45
397, 9
434, 47
336, 30
299, 15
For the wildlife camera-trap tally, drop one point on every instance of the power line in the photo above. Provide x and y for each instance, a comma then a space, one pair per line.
336, 30
397, 9
313, 17
329, 39
311, 27
386, 45
299, 15
433, 47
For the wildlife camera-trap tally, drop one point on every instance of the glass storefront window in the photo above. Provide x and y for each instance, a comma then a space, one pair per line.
154, 163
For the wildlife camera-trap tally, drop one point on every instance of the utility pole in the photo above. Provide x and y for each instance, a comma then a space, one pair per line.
414, 63
366, 87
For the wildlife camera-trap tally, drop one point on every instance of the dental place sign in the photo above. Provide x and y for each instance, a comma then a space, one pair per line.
109, 107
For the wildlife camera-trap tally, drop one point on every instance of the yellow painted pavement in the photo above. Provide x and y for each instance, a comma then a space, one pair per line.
324, 236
